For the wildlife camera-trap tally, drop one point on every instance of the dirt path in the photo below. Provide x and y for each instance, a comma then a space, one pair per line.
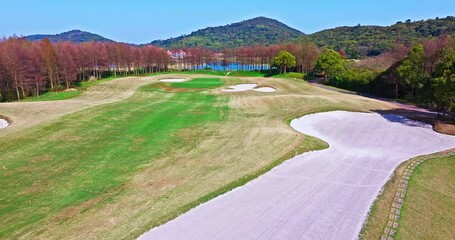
318, 195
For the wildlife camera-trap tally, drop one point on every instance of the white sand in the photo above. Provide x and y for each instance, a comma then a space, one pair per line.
248, 87
3, 123
241, 87
318, 195
265, 89
171, 80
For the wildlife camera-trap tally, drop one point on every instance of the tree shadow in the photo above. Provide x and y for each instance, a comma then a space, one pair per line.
412, 117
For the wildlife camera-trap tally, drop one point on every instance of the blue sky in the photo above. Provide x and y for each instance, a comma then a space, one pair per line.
141, 21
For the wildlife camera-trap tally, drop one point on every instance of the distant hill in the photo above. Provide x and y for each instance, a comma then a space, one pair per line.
373, 40
75, 36
260, 30
357, 41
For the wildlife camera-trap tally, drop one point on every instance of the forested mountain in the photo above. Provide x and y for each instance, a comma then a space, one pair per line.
75, 36
359, 41
256, 31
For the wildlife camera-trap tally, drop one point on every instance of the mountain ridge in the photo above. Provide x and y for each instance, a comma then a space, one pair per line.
75, 36
259, 30
357, 41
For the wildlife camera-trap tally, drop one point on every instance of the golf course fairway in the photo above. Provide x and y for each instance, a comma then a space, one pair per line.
130, 154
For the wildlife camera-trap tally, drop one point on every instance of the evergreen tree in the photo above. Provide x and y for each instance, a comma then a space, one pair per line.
284, 60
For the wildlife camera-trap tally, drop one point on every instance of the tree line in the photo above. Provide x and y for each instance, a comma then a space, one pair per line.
31, 68
423, 73
249, 58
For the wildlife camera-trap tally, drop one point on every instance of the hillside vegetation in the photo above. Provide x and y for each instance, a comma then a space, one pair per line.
371, 40
358, 41
256, 31
75, 36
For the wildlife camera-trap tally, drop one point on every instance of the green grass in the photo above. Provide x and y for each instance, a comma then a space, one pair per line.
295, 75
199, 83
91, 153
428, 211
114, 171
247, 74
51, 96
208, 72
290, 75
62, 95
239, 73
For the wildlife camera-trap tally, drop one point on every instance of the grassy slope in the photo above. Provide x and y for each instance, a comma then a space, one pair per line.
51, 96
428, 211
113, 171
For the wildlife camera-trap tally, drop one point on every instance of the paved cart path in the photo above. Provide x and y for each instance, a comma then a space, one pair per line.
318, 195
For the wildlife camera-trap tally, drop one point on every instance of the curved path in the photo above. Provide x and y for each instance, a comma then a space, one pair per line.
319, 195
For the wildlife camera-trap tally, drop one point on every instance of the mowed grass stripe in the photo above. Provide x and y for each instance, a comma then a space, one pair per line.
90, 154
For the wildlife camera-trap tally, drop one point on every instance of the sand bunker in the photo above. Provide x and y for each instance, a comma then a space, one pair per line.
171, 80
318, 195
265, 89
249, 87
240, 87
3, 123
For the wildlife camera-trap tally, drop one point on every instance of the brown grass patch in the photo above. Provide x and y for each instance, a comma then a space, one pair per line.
70, 212
37, 159
444, 127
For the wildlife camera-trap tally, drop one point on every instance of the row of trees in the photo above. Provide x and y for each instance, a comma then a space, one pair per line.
28, 68
423, 73
247, 58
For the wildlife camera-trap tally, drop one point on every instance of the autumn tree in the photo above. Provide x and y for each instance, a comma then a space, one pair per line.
50, 61
310, 54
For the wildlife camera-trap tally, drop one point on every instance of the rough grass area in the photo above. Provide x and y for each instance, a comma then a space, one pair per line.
112, 163
62, 95
51, 96
428, 211
199, 83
